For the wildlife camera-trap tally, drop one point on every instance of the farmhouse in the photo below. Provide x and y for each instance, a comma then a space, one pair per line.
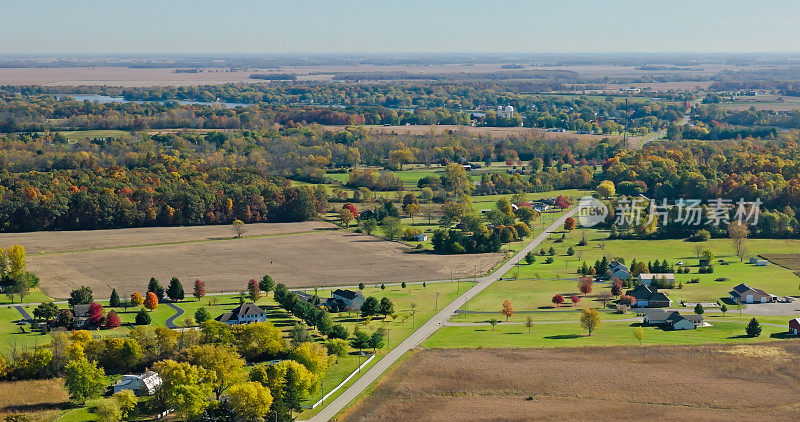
616, 269
244, 314
648, 278
348, 299
672, 320
746, 294
142, 385
649, 297
81, 313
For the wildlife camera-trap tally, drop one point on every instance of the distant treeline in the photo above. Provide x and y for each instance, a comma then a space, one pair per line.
567, 76
274, 76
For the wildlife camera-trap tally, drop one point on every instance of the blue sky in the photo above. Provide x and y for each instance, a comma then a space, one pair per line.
381, 26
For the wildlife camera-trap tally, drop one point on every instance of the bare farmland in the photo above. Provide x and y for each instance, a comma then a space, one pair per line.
298, 254
653, 383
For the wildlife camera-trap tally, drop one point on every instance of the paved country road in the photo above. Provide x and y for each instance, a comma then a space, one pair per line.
430, 327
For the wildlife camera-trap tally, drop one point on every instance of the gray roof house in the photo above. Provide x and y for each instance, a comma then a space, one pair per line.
81, 313
672, 320
616, 269
649, 297
349, 299
244, 314
746, 294
142, 385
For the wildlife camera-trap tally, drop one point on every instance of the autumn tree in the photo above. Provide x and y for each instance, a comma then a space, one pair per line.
250, 401
557, 300
585, 285
95, 314
184, 387
507, 309
238, 228
253, 290
345, 217
112, 320
313, 356
220, 360
590, 319
569, 224
638, 334
151, 302
136, 299
575, 300
199, 289
616, 288
606, 189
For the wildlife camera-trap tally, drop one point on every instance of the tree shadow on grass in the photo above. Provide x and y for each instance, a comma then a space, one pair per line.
563, 336
784, 335
741, 336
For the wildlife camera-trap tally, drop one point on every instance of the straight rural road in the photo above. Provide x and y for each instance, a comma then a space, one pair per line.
430, 327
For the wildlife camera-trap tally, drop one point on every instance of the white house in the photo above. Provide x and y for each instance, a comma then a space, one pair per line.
142, 385
244, 314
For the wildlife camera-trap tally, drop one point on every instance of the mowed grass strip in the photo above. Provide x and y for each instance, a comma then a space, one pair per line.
609, 333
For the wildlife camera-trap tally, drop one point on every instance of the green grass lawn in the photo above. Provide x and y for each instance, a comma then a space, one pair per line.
36, 295
723, 330
536, 283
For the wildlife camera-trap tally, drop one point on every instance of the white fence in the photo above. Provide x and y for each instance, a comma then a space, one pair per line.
325, 397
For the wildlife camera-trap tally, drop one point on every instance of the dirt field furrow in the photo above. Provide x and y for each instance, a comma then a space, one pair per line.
297, 254
655, 383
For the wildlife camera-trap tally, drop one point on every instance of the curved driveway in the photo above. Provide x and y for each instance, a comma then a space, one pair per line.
430, 327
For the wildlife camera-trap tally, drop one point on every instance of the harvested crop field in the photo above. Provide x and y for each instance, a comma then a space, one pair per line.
790, 261
653, 383
310, 254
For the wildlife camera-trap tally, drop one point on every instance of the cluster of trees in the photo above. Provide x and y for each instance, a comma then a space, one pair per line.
163, 190
749, 170
472, 234
15, 280
197, 369
308, 311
